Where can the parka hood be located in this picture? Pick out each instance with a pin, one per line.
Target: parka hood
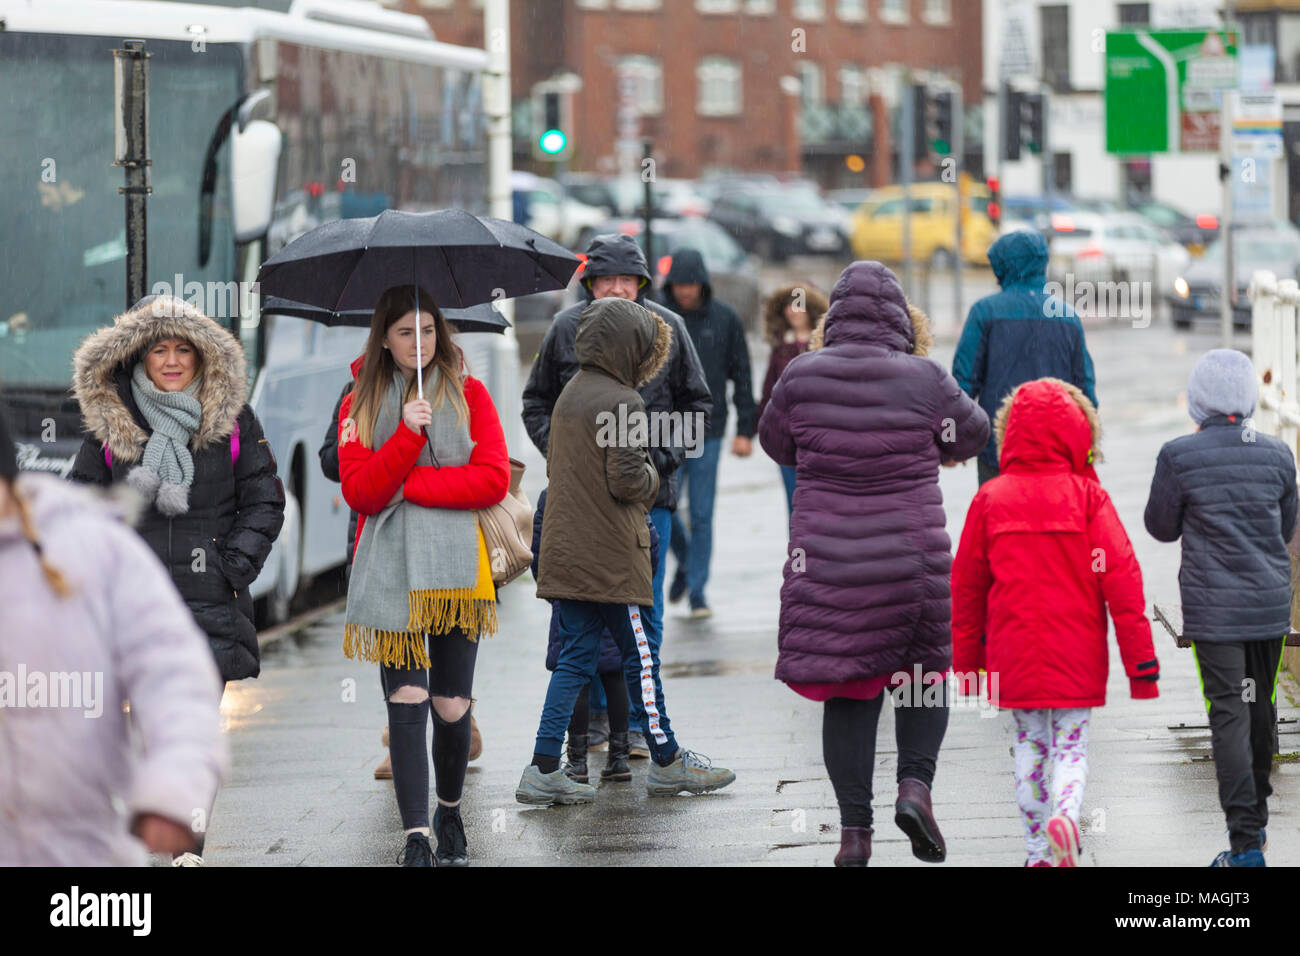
(867, 306)
(1019, 258)
(688, 267)
(1048, 425)
(622, 339)
(613, 254)
(102, 360)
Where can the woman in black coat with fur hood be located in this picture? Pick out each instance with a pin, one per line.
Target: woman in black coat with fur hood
(162, 394)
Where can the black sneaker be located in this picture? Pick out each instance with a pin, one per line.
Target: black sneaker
(417, 851)
(677, 588)
(450, 831)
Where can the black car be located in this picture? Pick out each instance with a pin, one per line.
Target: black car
(780, 221)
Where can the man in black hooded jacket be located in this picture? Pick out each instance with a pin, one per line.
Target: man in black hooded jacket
(616, 266)
(719, 337)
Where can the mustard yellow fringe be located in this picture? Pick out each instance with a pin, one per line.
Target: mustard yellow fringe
(431, 612)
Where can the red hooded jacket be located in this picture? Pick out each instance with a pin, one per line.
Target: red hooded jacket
(371, 477)
(1042, 555)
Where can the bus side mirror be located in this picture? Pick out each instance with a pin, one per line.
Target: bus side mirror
(255, 158)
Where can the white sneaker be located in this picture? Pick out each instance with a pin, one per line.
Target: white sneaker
(188, 859)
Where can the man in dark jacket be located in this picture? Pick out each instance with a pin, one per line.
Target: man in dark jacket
(719, 339)
(594, 559)
(616, 267)
(1231, 495)
(1018, 335)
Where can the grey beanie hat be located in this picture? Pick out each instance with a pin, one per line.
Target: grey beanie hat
(1222, 383)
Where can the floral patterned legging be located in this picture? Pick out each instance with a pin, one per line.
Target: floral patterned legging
(1051, 769)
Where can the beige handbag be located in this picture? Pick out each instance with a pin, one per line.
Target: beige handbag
(508, 531)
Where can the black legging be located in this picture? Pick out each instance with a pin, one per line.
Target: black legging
(849, 748)
(452, 675)
(618, 706)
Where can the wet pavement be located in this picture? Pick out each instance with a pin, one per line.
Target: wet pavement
(305, 737)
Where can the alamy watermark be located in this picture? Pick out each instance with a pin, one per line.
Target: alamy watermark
(216, 300)
(1111, 300)
(958, 690)
(639, 429)
(74, 690)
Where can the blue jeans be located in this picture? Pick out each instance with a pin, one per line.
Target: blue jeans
(694, 549)
(662, 519)
(787, 475)
(581, 626)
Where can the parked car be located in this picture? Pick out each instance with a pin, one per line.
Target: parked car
(1111, 247)
(554, 213)
(1194, 232)
(850, 199)
(878, 225)
(780, 220)
(1029, 212)
(626, 197)
(1194, 293)
(731, 272)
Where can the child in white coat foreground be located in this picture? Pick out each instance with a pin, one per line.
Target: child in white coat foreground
(89, 619)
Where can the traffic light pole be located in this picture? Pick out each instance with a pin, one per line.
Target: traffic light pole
(907, 159)
(1045, 156)
(958, 154)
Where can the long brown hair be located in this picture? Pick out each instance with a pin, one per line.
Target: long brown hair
(377, 370)
(775, 324)
(53, 576)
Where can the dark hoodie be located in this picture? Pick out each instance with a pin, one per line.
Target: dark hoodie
(679, 387)
(1019, 334)
(595, 543)
(719, 338)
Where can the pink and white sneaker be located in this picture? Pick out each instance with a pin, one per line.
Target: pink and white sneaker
(1063, 840)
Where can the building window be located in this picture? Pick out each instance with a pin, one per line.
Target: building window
(719, 80)
(717, 6)
(812, 85)
(894, 11)
(851, 11)
(1054, 31)
(937, 11)
(593, 4)
(760, 8)
(648, 75)
(853, 86)
(637, 4)
(1134, 14)
(810, 9)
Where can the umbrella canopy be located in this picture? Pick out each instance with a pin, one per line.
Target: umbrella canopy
(477, 318)
(461, 259)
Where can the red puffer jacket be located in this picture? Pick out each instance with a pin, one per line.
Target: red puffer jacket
(1041, 557)
(371, 477)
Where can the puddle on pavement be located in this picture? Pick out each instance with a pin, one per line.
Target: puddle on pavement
(679, 669)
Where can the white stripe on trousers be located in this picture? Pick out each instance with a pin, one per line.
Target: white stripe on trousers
(647, 674)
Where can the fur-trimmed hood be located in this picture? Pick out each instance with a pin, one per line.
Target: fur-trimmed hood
(103, 362)
(922, 338)
(624, 340)
(1048, 421)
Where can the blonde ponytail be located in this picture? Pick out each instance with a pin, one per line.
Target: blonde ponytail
(53, 575)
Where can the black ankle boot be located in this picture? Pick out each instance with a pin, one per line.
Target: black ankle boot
(576, 767)
(616, 767)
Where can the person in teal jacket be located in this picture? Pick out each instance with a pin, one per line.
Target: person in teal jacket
(1019, 334)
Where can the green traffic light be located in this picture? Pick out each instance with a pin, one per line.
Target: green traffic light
(941, 147)
(553, 141)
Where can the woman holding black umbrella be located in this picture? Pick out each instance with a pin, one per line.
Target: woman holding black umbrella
(421, 591)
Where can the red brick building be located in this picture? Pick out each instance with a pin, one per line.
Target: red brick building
(715, 78)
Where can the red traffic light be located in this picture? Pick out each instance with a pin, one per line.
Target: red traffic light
(994, 184)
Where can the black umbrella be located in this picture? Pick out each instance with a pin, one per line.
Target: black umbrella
(477, 318)
(460, 258)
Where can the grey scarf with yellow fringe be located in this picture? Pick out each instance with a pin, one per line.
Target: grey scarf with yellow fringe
(415, 568)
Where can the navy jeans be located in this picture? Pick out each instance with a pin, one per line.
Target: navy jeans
(694, 549)
(581, 626)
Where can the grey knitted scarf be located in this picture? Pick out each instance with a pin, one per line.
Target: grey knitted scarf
(415, 568)
(166, 470)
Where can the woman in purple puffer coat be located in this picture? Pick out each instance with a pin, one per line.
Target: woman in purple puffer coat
(867, 420)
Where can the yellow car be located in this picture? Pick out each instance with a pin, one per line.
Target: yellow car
(877, 230)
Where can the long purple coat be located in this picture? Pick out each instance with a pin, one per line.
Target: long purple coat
(866, 425)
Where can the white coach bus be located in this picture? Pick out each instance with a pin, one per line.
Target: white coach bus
(372, 113)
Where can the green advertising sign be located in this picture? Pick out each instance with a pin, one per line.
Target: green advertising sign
(1163, 89)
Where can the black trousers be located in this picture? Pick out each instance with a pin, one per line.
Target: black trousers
(1239, 681)
(849, 748)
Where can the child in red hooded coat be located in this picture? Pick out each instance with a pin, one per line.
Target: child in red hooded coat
(1042, 556)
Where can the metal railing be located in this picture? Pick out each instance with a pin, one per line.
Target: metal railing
(1273, 349)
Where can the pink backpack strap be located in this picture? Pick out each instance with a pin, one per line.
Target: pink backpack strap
(108, 457)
